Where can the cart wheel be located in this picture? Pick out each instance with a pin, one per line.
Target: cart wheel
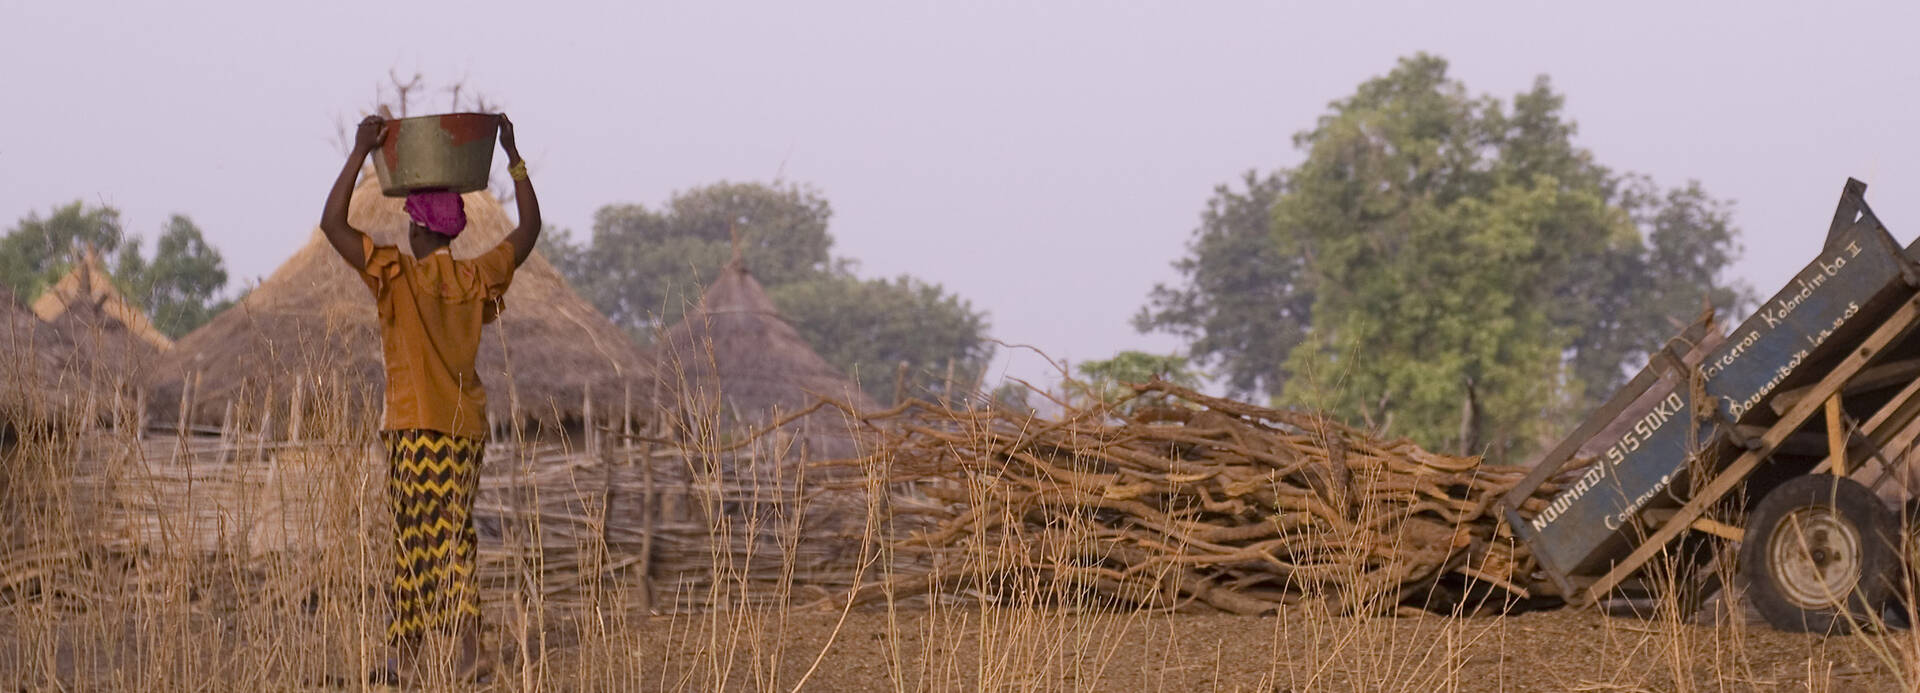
(1820, 552)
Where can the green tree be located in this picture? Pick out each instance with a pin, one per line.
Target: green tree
(180, 288)
(1013, 397)
(1469, 273)
(36, 251)
(1243, 305)
(644, 268)
(566, 253)
(1107, 381)
(1657, 285)
(868, 327)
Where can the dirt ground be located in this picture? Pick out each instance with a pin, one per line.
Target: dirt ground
(1564, 650)
(968, 649)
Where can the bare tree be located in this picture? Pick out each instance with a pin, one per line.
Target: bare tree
(402, 91)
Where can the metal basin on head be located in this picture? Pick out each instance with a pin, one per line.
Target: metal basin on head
(453, 152)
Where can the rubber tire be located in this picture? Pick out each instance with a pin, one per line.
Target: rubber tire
(1880, 562)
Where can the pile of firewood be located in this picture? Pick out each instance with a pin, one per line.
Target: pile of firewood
(1175, 499)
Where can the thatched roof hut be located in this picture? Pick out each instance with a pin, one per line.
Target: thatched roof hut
(729, 369)
(44, 380)
(734, 360)
(112, 352)
(111, 340)
(309, 334)
(86, 296)
(34, 352)
(112, 343)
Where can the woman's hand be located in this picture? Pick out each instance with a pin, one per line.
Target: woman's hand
(506, 138)
(345, 239)
(371, 133)
(528, 232)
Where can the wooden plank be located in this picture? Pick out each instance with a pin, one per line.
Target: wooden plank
(1882, 376)
(1903, 441)
(186, 402)
(1886, 470)
(1836, 436)
(1719, 529)
(298, 416)
(1900, 434)
(1882, 430)
(1895, 327)
(650, 523)
(586, 420)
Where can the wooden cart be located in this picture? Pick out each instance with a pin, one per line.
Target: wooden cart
(1777, 448)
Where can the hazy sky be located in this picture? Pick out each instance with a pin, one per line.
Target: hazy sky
(1044, 160)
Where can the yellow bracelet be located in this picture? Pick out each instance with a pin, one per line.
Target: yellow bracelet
(518, 170)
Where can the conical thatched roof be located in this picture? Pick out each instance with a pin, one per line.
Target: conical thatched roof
(44, 379)
(312, 324)
(105, 349)
(734, 357)
(88, 289)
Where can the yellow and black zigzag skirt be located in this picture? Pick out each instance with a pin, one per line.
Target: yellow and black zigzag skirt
(431, 481)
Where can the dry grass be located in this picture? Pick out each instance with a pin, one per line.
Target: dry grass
(250, 562)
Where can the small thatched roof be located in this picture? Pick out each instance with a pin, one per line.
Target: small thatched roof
(88, 289)
(313, 325)
(105, 350)
(734, 358)
(44, 379)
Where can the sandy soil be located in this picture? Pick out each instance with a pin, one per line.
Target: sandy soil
(1548, 651)
(967, 649)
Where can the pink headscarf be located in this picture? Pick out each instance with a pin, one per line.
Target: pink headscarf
(441, 211)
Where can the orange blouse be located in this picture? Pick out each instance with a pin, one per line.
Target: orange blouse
(431, 310)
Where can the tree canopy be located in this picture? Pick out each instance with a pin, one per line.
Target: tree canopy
(1243, 307)
(1445, 266)
(1109, 381)
(646, 267)
(37, 251)
(179, 288)
(868, 327)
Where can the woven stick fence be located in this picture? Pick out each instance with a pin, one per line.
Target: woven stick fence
(658, 527)
(691, 526)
